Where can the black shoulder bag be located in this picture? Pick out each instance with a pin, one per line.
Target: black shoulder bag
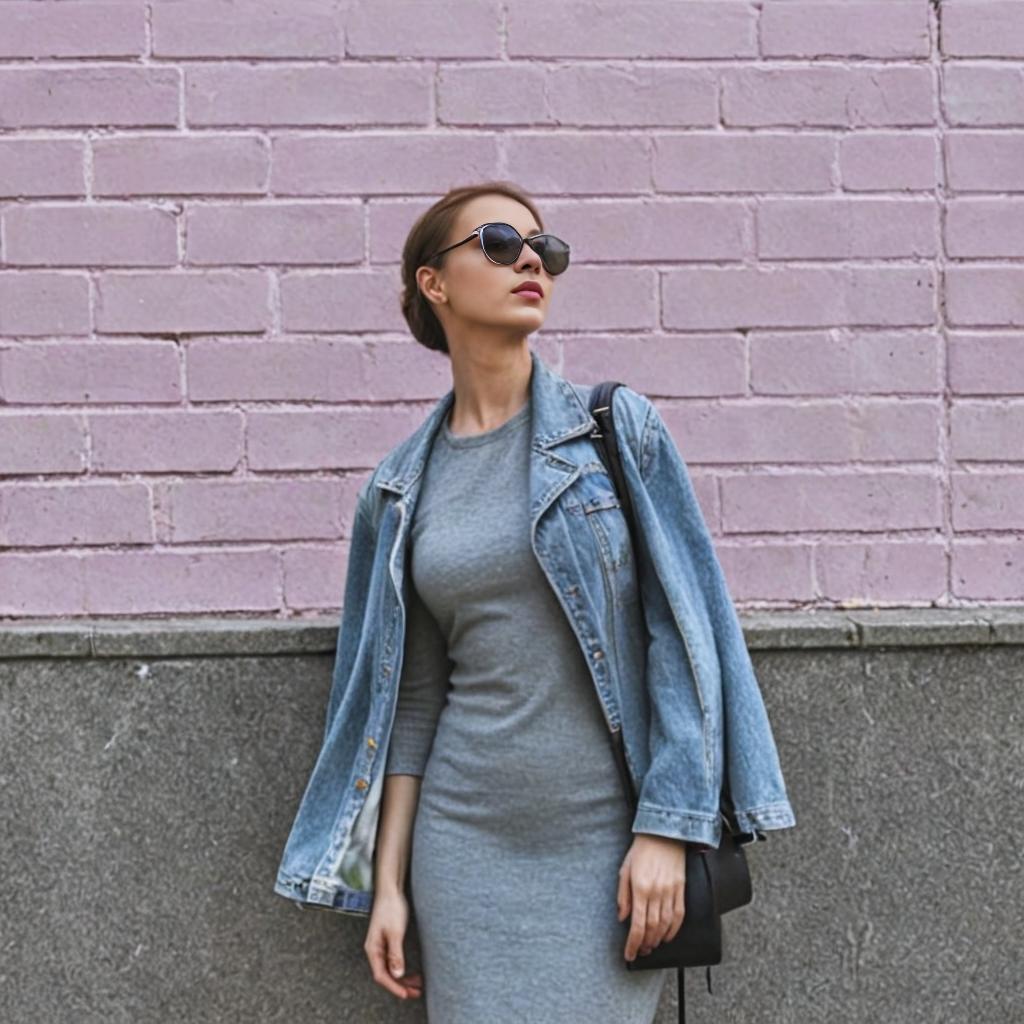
(717, 879)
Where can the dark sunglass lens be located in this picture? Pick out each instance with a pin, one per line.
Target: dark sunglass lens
(554, 253)
(501, 242)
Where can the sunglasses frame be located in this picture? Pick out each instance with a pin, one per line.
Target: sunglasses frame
(522, 241)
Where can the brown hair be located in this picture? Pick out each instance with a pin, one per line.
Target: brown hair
(427, 235)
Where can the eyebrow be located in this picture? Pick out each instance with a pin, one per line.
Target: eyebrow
(533, 231)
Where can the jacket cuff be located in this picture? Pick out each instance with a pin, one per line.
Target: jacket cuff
(766, 817)
(702, 829)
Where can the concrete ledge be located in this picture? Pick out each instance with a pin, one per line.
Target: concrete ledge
(151, 770)
(775, 630)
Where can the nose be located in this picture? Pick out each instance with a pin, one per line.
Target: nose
(528, 258)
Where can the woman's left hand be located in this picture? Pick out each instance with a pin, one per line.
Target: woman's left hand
(652, 880)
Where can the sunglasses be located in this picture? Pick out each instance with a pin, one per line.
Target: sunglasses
(502, 244)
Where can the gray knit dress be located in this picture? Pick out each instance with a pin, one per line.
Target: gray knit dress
(522, 824)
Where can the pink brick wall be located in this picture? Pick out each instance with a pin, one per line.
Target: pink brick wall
(799, 226)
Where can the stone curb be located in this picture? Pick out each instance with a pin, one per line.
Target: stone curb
(768, 630)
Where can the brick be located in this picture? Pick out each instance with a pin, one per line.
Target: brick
(606, 299)
(180, 165)
(90, 234)
(985, 161)
(988, 569)
(182, 301)
(167, 441)
(390, 220)
(39, 302)
(878, 501)
(747, 297)
(107, 97)
(51, 515)
(888, 161)
(42, 584)
(983, 228)
(662, 230)
(314, 576)
(50, 29)
(236, 510)
(344, 96)
(842, 97)
(391, 28)
(314, 370)
(891, 571)
(92, 371)
(886, 31)
(355, 163)
(636, 94)
(493, 94)
(879, 430)
(717, 28)
(767, 572)
(986, 363)
(859, 362)
(987, 431)
(594, 162)
(346, 438)
(37, 442)
(984, 29)
(710, 365)
(277, 233)
(735, 162)
(354, 300)
(254, 29)
(987, 500)
(41, 167)
(983, 95)
(846, 228)
(985, 296)
(197, 581)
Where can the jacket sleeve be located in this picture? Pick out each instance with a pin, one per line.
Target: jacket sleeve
(352, 633)
(694, 719)
(422, 690)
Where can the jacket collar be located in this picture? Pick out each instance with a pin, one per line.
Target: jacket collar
(558, 414)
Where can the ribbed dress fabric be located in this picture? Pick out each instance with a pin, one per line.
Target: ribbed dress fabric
(522, 824)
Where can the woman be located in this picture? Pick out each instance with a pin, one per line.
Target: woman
(515, 900)
(491, 570)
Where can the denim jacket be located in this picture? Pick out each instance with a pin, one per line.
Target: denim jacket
(669, 664)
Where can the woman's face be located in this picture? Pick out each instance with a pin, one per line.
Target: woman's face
(470, 293)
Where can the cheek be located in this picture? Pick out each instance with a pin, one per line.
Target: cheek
(481, 292)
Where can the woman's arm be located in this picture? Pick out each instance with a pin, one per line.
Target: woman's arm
(422, 689)
(394, 838)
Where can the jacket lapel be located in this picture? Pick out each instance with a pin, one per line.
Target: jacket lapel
(557, 415)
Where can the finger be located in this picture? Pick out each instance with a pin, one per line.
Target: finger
(678, 911)
(396, 960)
(653, 927)
(378, 957)
(667, 921)
(413, 984)
(622, 895)
(638, 925)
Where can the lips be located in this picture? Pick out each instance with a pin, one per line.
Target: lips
(530, 286)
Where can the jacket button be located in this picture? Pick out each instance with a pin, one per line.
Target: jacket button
(361, 783)
(598, 654)
(371, 742)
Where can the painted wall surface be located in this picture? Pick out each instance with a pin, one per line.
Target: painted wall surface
(798, 226)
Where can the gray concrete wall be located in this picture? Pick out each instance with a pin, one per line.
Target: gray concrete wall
(150, 771)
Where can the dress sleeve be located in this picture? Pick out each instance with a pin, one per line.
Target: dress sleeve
(422, 690)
